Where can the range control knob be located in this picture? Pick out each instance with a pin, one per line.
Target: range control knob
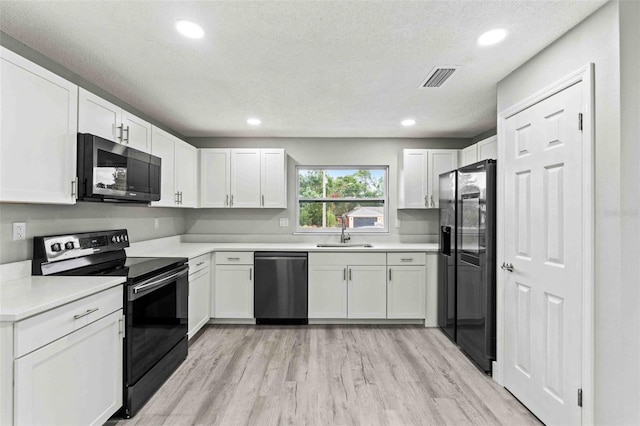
(118, 238)
(69, 245)
(125, 238)
(114, 239)
(56, 247)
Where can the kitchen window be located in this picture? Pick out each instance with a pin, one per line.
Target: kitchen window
(327, 195)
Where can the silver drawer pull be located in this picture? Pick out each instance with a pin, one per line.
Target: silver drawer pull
(233, 258)
(406, 259)
(89, 311)
(200, 263)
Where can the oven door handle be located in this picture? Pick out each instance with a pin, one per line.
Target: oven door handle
(161, 281)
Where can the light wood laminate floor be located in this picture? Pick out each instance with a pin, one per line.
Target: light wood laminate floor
(328, 375)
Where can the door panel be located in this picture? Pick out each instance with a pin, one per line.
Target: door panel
(543, 241)
(245, 178)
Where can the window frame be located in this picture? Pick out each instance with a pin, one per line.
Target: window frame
(337, 231)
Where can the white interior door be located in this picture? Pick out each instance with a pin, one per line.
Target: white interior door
(543, 241)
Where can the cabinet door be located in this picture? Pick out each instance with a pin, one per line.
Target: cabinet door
(234, 291)
(199, 289)
(38, 134)
(367, 295)
(215, 174)
(76, 380)
(469, 155)
(99, 117)
(245, 178)
(414, 179)
(327, 291)
(439, 161)
(405, 292)
(273, 180)
(186, 170)
(136, 132)
(163, 146)
(488, 148)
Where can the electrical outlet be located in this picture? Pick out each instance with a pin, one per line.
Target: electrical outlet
(284, 221)
(156, 223)
(398, 223)
(19, 231)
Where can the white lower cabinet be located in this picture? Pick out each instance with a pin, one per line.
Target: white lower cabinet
(234, 285)
(75, 379)
(347, 285)
(199, 292)
(367, 295)
(406, 285)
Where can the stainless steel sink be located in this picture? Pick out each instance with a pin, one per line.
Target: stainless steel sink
(344, 245)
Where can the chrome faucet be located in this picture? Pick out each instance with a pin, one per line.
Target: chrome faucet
(344, 238)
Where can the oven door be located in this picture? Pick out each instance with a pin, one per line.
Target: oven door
(156, 315)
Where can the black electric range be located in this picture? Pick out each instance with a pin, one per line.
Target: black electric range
(155, 303)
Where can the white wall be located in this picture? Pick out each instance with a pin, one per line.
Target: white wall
(83, 217)
(259, 224)
(617, 302)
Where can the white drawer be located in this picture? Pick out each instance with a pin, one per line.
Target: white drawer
(198, 263)
(398, 259)
(37, 331)
(234, 258)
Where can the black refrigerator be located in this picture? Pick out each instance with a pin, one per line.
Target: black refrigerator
(469, 249)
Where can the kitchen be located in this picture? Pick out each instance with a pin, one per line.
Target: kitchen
(605, 38)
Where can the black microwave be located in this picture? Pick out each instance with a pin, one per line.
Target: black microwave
(108, 171)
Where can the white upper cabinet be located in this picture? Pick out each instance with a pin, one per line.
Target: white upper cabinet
(469, 155)
(243, 178)
(102, 118)
(273, 182)
(178, 172)
(215, 177)
(38, 112)
(488, 148)
(419, 176)
(440, 161)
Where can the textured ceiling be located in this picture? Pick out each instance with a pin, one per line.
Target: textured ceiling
(305, 68)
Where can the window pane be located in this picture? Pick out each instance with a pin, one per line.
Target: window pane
(329, 215)
(341, 183)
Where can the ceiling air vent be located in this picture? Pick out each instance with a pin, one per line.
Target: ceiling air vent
(438, 76)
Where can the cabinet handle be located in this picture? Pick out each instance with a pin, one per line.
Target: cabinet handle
(180, 196)
(250, 273)
(125, 130)
(350, 275)
(389, 274)
(406, 259)
(231, 204)
(89, 311)
(74, 187)
(432, 203)
(344, 274)
(262, 200)
(425, 201)
(233, 258)
(119, 137)
(176, 198)
(199, 263)
(226, 200)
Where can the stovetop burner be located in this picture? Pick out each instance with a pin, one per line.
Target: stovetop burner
(95, 254)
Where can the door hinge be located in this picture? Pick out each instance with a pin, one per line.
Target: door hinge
(580, 121)
(579, 397)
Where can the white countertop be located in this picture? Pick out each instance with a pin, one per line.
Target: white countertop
(191, 250)
(24, 297)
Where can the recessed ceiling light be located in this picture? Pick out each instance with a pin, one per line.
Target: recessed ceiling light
(492, 37)
(408, 122)
(189, 29)
(254, 121)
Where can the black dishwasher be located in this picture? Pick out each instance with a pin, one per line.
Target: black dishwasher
(281, 287)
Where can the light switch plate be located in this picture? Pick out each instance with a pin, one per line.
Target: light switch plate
(19, 231)
(284, 221)
(398, 223)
